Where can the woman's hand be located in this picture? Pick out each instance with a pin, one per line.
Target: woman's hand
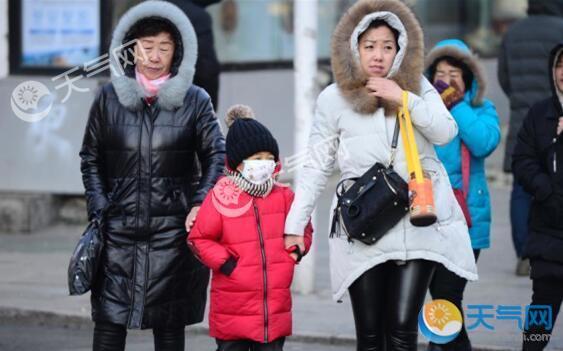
(386, 89)
(190, 219)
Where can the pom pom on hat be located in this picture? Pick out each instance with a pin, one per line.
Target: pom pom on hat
(247, 136)
(238, 112)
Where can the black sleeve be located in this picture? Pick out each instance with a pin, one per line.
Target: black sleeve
(210, 149)
(526, 161)
(502, 69)
(92, 163)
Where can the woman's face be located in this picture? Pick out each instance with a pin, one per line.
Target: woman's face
(154, 55)
(377, 49)
(559, 73)
(449, 74)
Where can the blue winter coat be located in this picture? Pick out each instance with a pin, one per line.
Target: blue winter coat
(479, 129)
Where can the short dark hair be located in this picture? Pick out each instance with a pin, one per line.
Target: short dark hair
(380, 23)
(466, 73)
(151, 26)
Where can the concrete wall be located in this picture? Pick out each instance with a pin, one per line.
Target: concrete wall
(3, 38)
(43, 156)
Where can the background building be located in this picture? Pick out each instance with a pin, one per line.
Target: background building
(54, 41)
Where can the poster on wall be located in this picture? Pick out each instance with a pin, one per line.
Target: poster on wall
(60, 33)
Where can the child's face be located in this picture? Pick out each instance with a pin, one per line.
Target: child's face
(262, 155)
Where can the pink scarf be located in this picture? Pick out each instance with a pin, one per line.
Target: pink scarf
(151, 87)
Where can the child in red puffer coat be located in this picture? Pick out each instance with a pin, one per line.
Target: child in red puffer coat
(239, 234)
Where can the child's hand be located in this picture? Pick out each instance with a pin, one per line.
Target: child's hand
(190, 219)
(294, 256)
(292, 240)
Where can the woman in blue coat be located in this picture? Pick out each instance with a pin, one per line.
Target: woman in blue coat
(459, 78)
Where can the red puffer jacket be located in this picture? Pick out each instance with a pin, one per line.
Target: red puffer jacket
(233, 229)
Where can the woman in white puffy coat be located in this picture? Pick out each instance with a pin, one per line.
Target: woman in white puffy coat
(377, 52)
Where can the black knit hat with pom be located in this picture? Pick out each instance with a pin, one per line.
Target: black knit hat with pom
(247, 136)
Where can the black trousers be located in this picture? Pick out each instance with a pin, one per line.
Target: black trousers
(545, 292)
(111, 337)
(386, 301)
(449, 286)
(247, 345)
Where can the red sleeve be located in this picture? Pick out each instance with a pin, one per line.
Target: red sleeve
(308, 234)
(205, 234)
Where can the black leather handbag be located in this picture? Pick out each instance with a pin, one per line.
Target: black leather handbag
(85, 260)
(374, 204)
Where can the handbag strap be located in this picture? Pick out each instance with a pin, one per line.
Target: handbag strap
(409, 141)
(394, 142)
(465, 168)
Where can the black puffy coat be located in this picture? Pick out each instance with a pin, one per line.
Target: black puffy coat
(522, 72)
(537, 164)
(140, 156)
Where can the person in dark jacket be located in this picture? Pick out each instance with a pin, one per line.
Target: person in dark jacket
(523, 77)
(143, 132)
(207, 66)
(537, 163)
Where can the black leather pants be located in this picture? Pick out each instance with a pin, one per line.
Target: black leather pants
(386, 301)
(111, 337)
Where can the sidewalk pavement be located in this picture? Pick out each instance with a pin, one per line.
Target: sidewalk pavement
(33, 286)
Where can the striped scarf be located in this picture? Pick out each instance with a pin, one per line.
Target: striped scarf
(252, 189)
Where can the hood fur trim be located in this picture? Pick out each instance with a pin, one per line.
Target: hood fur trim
(172, 93)
(469, 59)
(347, 72)
(558, 94)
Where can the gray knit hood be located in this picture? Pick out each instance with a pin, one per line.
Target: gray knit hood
(172, 92)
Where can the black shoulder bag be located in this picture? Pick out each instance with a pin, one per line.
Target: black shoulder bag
(374, 204)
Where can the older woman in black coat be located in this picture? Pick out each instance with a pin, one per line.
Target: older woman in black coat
(144, 130)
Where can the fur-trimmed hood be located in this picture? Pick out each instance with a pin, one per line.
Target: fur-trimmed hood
(459, 50)
(409, 61)
(172, 93)
(557, 94)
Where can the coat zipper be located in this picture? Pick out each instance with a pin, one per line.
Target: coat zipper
(151, 126)
(263, 252)
(136, 223)
(554, 141)
(147, 263)
(139, 176)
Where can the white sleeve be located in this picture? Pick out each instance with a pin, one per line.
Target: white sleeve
(430, 116)
(317, 168)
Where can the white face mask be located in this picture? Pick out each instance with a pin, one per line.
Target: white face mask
(258, 171)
